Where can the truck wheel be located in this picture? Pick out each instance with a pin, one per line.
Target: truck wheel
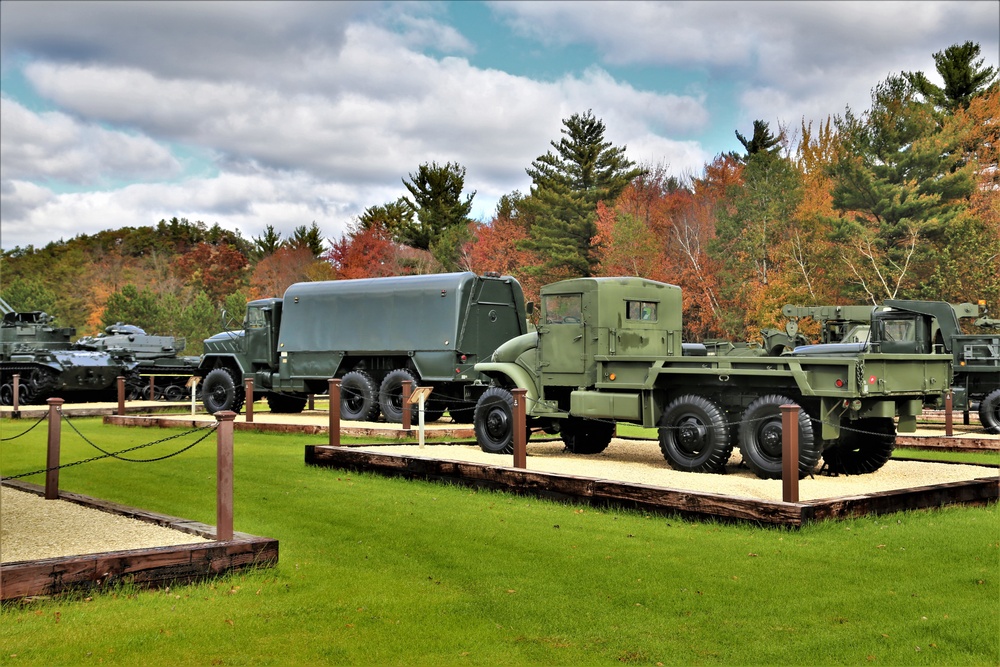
(694, 435)
(219, 393)
(760, 438)
(285, 404)
(390, 394)
(989, 412)
(358, 401)
(586, 436)
(494, 421)
(863, 448)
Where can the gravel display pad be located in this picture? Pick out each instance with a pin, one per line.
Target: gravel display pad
(640, 462)
(32, 528)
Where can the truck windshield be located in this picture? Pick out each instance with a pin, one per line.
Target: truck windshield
(256, 318)
(563, 308)
(899, 330)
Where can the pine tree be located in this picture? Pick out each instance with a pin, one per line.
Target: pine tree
(964, 77)
(437, 202)
(566, 187)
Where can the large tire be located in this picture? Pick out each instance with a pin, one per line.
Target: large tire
(358, 397)
(285, 404)
(390, 394)
(219, 392)
(494, 421)
(989, 412)
(761, 438)
(864, 447)
(694, 435)
(586, 436)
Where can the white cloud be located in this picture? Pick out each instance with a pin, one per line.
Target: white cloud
(55, 146)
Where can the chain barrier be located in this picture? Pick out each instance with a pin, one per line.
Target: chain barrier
(116, 455)
(28, 430)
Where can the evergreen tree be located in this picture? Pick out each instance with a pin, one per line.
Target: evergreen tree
(902, 180)
(267, 243)
(311, 238)
(442, 215)
(964, 77)
(393, 217)
(566, 187)
(762, 140)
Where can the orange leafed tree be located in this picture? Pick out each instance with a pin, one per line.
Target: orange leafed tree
(495, 247)
(275, 273)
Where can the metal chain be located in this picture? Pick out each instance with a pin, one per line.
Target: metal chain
(105, 454)
(15, 437)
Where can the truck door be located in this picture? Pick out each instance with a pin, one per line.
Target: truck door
(561, 339)
(260, 345)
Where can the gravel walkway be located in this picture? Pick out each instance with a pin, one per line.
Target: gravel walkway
(32, 528)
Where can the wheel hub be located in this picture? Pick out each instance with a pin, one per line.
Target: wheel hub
(497, 423)
(691, 436)
(770, 439)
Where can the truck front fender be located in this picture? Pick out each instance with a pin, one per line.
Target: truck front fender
(514, 375)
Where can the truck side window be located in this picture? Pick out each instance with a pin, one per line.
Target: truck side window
(563, 308)
(256, 319)
(643, 311)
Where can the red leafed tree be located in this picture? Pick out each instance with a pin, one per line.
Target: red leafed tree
(218, 270)
(364, 253)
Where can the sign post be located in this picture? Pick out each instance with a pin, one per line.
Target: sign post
(419, 396)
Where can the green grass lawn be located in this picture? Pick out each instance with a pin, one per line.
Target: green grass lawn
(379, 571)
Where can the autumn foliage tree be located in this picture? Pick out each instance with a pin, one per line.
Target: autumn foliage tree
(217, 270)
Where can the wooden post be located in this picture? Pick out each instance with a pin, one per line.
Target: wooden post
(121, 395)
(249, 399)
(790, 453)
(407, 417)
(520, 445)
(334, 413)
(312, 402)
(152, 388)
(16, 399)
(52, 460)
(224, 476)
(948, 426)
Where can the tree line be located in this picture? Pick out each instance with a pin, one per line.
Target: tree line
(899, 201)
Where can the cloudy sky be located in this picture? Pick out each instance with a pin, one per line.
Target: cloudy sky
(253, 113)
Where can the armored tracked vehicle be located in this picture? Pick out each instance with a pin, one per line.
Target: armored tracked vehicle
(49, 364)
(157, 356)
(609, 350)
(373, 334)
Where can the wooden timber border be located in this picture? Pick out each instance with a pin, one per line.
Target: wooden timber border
(151, 567)
(605, 492)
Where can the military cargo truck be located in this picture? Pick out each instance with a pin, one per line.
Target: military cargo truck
(158, 358)
(921, 327)
(373, 334)
(609, 350)
(49, 364)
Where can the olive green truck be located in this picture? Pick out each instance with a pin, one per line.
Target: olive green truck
(373, 334)
(609, 350)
